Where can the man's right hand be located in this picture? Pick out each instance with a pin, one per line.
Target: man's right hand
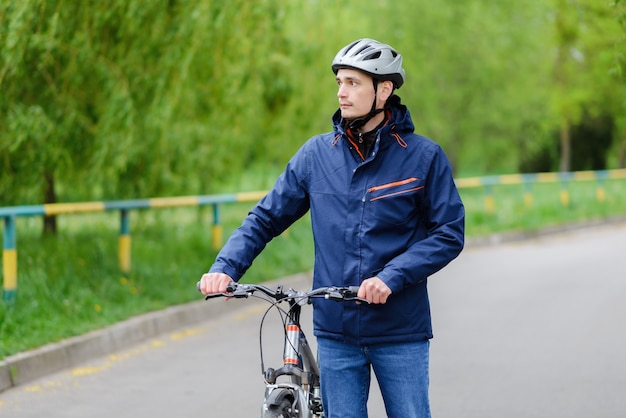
(214, 283)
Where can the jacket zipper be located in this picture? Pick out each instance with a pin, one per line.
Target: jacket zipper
(393, 184)
(396, 193)
(388, 185)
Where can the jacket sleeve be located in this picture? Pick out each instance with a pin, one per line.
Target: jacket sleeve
(285, 203)
(444, 217)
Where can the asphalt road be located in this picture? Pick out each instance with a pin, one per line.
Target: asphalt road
(527, 329)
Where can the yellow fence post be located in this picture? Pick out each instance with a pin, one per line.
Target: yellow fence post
(217, 228)
(600, 192)
(528, 195)
(9, 260)
(124, 242)
(564, 195)
(490, 203)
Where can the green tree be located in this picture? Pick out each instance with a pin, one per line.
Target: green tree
(476, 78)
(585, 35)
(124, 99)
(619, 72)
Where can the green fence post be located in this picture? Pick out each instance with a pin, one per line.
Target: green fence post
(217, 227)
(9, 260)
(124, 241)
(565, 197)
(490, 204)
(600, 191)
(528, 194)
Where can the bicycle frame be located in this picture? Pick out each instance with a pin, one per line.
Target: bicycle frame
(298, 396)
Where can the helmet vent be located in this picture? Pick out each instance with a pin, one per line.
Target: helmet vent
(373, 56)
(360, 51)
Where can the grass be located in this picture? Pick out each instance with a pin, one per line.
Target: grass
(512, 211)
(69, 284)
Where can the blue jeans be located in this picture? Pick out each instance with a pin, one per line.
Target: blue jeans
(400, 368)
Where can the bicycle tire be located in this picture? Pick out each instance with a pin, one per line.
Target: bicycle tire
(279, 411)
(281, 406)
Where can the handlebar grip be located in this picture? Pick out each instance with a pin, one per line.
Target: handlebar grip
(232, 287)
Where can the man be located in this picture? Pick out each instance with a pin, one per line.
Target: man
(385, 216)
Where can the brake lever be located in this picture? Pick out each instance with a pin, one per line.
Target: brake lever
(357, 299)
(351, 294)
(217, 295)
(346, 294)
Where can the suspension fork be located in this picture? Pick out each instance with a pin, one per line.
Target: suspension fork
(291, 356)
(298, 360)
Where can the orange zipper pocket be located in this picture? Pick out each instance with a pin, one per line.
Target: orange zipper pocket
(396, 193)
(393, 184)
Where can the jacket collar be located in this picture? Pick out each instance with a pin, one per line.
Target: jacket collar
(400, 120)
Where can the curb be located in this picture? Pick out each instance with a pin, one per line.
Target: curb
(5, 376)
(30, 365)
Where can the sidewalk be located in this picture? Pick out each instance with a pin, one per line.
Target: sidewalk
(30, 365)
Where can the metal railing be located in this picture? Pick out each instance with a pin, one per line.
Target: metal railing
(527, 180)
(10, 213)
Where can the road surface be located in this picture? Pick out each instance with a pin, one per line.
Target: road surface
(525, 329)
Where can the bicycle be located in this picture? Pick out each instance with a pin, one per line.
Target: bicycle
(299, 396)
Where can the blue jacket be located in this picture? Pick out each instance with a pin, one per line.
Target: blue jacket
(396, 215)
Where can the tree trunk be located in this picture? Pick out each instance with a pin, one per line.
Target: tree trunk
(49, 222)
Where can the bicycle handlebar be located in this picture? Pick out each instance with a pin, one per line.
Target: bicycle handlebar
(336, 293)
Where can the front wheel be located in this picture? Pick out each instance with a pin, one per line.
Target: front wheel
(283, 410)
(279, 404)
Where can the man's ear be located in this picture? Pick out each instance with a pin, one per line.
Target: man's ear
(385, 90)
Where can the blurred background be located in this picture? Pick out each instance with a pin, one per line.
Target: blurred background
(125, 99)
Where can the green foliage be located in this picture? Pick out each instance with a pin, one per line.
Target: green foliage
(120, 99)
(586, 36)
(619, 9)
(124, 99)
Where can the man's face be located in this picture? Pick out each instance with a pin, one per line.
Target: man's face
(356, 93)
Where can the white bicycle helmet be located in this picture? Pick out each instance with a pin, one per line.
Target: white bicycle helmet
(378, 60)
